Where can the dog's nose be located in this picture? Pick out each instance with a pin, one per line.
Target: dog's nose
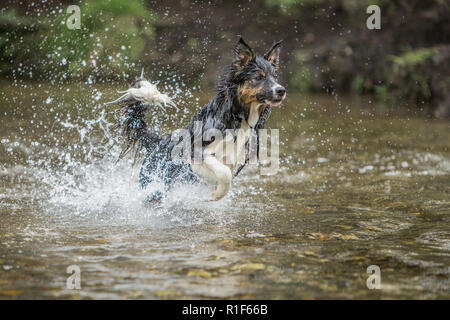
(280, 91)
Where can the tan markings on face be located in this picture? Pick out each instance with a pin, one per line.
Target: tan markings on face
(248, 94)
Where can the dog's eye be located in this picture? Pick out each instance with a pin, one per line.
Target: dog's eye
(260, 76)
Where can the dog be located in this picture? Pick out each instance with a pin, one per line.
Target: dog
(246, 93)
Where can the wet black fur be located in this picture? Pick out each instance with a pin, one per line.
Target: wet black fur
(225, 111)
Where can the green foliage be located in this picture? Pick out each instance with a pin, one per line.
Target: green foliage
(11, 19)
(409, 73)
(357, 86)
(411, 58)
(326, 44)
(444, 85)
(113, 37)
(301, 80)
(284, 3)
(12, 28)
(353, 5)
(289, 6)
(381, 93)
(192, 43)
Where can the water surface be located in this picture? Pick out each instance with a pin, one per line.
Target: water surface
(358, 185)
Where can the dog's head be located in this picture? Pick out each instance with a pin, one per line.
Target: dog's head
(256, 75)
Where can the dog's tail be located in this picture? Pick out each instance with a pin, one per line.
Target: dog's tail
(134, 130)
(133, 104)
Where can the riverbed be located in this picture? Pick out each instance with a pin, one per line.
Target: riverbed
(359, 184)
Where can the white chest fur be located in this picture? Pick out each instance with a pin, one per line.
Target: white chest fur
(231, 149)
(227, 153)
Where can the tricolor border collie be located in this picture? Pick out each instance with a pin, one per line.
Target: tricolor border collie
(246, 92)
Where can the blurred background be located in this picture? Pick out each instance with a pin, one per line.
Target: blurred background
(364, 173)
(327, 47)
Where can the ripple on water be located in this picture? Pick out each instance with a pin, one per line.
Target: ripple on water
(343, 199)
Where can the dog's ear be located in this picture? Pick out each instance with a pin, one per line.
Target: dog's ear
(244, 54)
(273, 55)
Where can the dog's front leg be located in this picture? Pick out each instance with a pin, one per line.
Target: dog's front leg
(223, 176)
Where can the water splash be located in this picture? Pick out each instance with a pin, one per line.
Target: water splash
(66, 159)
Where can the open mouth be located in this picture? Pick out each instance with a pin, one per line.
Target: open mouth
(274, 102)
